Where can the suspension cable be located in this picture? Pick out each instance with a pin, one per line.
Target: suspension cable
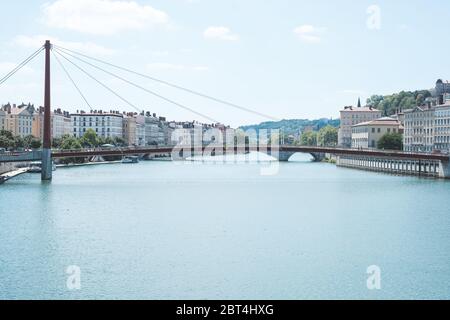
(21, 65)
(71, 79)
(174, 86)
(99, 82)
(140, 87)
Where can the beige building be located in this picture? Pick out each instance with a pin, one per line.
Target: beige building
(19, 119)
(352, 116)
(367, 134)
(61, 123)
(134, 129)
(2, 120)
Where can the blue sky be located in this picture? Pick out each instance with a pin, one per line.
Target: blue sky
(285, 58)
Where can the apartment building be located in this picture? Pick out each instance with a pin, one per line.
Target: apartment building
(442, 128)
(19, 119)
(154, 130)
(419, 129)
(187, 133)
(134, 129)
(2, 120)
(352, 116)
(61, 123)
(367, 134)
(105, 124)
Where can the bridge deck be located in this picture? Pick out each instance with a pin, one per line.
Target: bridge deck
(265, 149)
(37, 155)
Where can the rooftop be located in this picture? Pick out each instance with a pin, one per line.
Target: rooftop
(385, 121)
(447, 105)
(362, 109)
(96, 114)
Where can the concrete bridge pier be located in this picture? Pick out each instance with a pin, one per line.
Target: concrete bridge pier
(282, 156)
(318, 157)
(47, 165)
(444, 169)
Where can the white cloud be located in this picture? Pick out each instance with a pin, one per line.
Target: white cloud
(84, 47)
(160, 53)
(101, 17)
(309, 33)
(220, 33)
(175, 67)
(6, 67)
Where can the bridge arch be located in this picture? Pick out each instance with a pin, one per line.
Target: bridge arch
(284, 156)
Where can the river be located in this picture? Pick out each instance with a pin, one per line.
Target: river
(164, 230)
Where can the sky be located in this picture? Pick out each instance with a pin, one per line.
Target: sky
(289, 59)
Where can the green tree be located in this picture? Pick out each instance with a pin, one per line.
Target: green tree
(328, 136)
(35, 143)
(118, 141)
(390, 104)
(309, 139)
(5, 142)
(70, 143)
(18, 142)
(90, 139)
(7, 134)
(391, 141)
(420, 100)
(27, 141)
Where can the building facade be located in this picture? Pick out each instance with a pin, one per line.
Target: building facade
(154, 130)
(367, 134)
(2, 120)
(19, 119)
(442, 128)
(350, 117)
(61, 124)
(419, 129)
(134, 129)
(144, 129)
(106, 125)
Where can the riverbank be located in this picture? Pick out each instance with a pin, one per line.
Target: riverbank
(72, 165)
(12, 174)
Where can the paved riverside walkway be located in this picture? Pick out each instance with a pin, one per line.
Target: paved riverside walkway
(12, 174)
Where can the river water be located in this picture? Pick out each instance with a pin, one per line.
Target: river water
(163, 230)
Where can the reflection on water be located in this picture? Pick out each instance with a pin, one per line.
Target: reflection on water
(197, 230)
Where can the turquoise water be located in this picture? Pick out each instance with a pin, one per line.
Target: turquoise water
(162, 230)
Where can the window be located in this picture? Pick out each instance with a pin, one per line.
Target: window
(379, 130)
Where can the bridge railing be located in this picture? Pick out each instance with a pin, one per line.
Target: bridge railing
(117, 149)
(21, 156)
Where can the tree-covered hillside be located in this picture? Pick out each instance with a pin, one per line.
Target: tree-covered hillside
(294, 126)
(389, 104)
